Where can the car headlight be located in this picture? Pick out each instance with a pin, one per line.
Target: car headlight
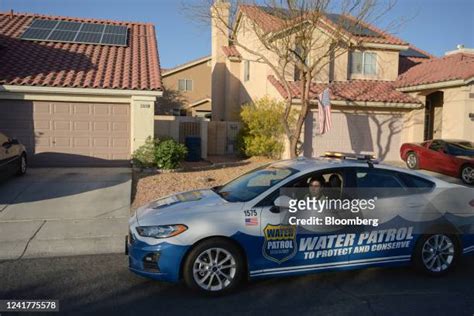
(162, 231)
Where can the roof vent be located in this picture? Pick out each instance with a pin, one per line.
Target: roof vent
(461, 49)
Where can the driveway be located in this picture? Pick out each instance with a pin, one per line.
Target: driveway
(64, 211)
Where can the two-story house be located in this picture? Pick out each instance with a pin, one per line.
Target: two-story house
(187, 89)
(374, 107)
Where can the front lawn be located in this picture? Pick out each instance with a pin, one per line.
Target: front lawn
(148, 187)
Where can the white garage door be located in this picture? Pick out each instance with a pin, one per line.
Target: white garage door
(376, 132)
(69, 134)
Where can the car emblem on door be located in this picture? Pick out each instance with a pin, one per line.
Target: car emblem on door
(280, 242)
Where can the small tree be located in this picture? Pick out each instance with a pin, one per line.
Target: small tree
(144, 156)
(262, 131)
(294, 37)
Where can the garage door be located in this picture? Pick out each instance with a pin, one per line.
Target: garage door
(376, 132)
(69, 134)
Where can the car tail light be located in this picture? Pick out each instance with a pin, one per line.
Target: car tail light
(471, 203)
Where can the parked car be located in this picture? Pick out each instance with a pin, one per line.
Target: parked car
(13, 157)
(454, 158)
(216, 238)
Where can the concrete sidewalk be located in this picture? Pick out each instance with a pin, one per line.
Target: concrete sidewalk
(64, 211)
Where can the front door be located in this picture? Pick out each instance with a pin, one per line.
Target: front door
(434, 115)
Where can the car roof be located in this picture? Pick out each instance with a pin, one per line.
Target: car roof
(303, 164)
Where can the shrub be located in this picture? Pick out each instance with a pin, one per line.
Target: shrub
(169, 154)
(262, 132)
(144, 156)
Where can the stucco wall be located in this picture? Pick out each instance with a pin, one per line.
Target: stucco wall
(200, 74)
(456, 108)
(455, 121)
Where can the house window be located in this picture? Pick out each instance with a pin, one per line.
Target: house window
(185, 85)
(363, 63)
(247, 70)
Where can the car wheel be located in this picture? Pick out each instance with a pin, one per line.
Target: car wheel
(412, 160)
(467, 174)
(22, 165)
(214, 266)
(436, 254)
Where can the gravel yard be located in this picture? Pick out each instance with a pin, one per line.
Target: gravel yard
(148, 187)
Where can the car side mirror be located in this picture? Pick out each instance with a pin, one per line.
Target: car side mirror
(14, 141)
(281, 202)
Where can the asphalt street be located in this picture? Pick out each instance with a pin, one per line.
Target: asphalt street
(102, 284)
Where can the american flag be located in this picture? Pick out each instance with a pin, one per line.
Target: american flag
(251, 221)
(324, 111)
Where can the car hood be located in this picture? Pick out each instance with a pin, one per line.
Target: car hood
(178, 205)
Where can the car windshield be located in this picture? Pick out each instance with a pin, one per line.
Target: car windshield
(253, 183)
(461, 148)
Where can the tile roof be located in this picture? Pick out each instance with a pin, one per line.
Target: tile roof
(451, 67)
(271, 20)
(186, 65)
(72, 65)
(231, 51)
(353, 91)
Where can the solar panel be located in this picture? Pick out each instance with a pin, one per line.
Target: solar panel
(63, 36)
(413, 53)
(115, 29)
(86, 37)
(35, 34)
(351, 26)
(68, 26)
(43, 23)
(93, 28)
(76, 32)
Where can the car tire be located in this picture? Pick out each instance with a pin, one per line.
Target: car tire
(214, 267)
(412, 161)
(466, 174)
(436, 254)
(22, 165)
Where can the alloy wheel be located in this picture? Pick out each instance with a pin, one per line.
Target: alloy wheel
(214, 269)
(23, 164)
(468, 174)
(438, 253)
(411, 161)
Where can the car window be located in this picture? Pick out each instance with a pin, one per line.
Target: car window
(381, 183)
(437, 145)
(3, 139)
(374, 179)
(252, 184)
(332, 182)
(460, 148)
(421, 185)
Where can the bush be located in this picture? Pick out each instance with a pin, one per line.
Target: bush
(144, 156)
(262, 132)
(169, 154)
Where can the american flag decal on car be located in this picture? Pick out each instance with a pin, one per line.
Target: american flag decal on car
(251, 221)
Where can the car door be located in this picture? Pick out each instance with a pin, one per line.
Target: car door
(434, 157)
(289, 249)
(391, 238)
(451, 163)
(5, 155)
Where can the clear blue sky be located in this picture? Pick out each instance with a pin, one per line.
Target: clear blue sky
(433, 25)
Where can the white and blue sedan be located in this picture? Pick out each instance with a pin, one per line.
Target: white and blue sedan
(216, 238)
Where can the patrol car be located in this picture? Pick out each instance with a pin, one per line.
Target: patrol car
(214, 239)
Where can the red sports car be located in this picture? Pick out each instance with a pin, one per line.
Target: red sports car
(450, 157)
